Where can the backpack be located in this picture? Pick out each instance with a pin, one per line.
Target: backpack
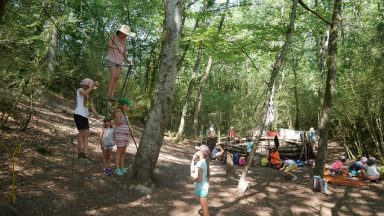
(264, 162)
(320, 184)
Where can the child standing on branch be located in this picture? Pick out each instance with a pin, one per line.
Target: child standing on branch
(117, 53)
(200, 173)
(122, 132)
(83, 102)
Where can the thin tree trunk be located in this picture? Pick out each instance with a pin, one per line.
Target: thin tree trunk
(297, 108)
(153, 134)
(202, 86)
(200, 97)
(191, 86)
(329, 90)
(52, 50)
(243, 184)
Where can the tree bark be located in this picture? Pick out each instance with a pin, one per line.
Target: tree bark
(200, 97)
(191, 85)
(243, 184)
(52, 50)
(329, 90)
(153, 134)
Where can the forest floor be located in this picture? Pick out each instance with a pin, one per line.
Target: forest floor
(49, 181)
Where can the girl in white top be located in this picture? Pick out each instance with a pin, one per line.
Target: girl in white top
(116, 54)
(370, 173)
(83, 102)
(106, 144)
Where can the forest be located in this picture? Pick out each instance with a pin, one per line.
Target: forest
(231, 63)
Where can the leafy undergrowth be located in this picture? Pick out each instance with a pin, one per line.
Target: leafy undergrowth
(50, 181)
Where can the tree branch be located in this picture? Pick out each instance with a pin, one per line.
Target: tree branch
(314, 12)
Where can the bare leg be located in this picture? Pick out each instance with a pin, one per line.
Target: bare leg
(123, 156)
(105, 158)
(85, 141)
(108, 158)
(204, 205)
(118, 157)
(80, 142)
(294, 177)
(115, 75)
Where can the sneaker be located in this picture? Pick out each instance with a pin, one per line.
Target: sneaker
(119, 172)
(107, 172)
(124, 169)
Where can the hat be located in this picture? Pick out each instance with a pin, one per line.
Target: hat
(87, 82)
(364, 159)
(124, 101)
(126, 30)
(204, 149)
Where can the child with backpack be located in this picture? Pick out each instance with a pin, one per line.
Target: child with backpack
(200, 174)
(106, 144)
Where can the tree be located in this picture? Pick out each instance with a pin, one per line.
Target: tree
(329, 90)
(152, 138)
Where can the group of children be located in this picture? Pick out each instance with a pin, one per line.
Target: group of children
(114, 132)
(364, 167)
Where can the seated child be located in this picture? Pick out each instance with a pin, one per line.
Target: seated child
(218, 152)
(338, 166)
(288, 167)
(371, 173)
(274, 158)
(357, 166)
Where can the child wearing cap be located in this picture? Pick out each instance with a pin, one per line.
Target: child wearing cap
(337, 167)
(106, 144)
(122, 132)
(200, 173)
(117, 52)
(81, 114)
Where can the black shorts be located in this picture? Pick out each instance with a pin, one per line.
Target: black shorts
(81, 122)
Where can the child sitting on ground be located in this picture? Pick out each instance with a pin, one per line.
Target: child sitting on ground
(371, 173)
(274, 158)
(106, 144)
(356, 167)
(337, 167)
(218, 152)
(288, 167)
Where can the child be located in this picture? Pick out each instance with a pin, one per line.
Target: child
(371, 173)
(116, 54)
(288, 167)
(106, 144)
(338, 166)
(274, 158)
(122, 132)
(356, 167)
(83, 102)
(200, 173)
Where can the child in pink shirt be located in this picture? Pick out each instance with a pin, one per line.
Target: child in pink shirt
(338, 166)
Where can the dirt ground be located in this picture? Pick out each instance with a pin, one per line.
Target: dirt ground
(50, 181)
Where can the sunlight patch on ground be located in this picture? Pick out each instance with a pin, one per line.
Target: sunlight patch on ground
(183, 209)
(168, 157)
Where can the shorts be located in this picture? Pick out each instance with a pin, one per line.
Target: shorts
(108, 146)
(81, 122)
(354, 172)
(112, 64)
(290, 168)
(201, 192)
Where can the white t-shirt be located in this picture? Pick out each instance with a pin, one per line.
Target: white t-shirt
(80, 108)
(372, 171)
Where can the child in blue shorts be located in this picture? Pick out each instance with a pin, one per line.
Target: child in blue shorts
(200, 173)
(106, 144)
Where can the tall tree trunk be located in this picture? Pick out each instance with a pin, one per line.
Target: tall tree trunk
(191, 85)
(323, 44)
(153, 134)
(297, 108)
(3, 4)
(329, 90)
(200, 97)
(243, 184)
